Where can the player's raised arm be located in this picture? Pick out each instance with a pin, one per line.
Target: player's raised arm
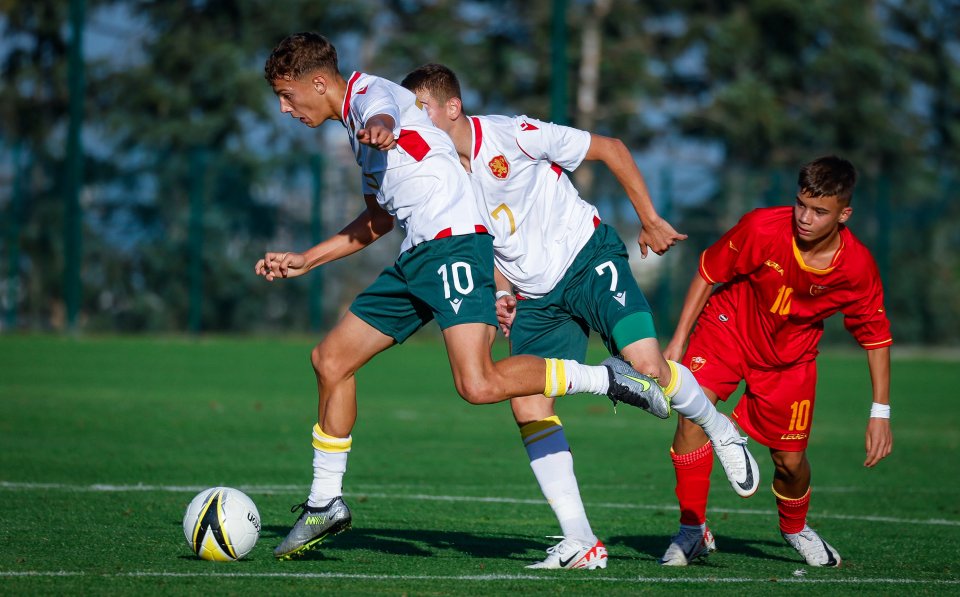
(370, 225)
(696, 298)
(657, 234)
(879, 438)
(378, 132)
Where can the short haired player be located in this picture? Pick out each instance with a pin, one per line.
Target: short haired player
(571, 274)
(779, 273)
(409, 173)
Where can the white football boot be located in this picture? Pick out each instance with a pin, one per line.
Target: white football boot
(570, 553)
(737, 461)
(690, 542)
(814, 550)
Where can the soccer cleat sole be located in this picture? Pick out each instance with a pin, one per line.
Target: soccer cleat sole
(309, 545)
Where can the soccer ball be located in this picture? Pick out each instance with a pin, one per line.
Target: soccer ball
(221, 524)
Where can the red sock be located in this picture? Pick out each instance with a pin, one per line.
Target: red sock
(793, 512)
(693, 483)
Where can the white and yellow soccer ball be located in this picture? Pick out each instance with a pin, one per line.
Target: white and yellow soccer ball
(221, 524)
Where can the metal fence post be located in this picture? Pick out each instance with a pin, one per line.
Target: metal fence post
(198, 173)
(72, 230)
(13, 238)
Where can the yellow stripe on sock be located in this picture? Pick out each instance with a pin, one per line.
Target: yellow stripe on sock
(674, 385)
(328, 443)
(538, 426)
(556, 382)
(790, 499)
(532, 440)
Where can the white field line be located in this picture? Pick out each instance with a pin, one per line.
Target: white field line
(297, 489)
(566, 578)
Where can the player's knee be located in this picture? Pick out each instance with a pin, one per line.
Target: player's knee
(475, 390)
(326, 365)
(789, 465)
(652, 365)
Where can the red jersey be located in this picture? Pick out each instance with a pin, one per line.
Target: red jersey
(774, 304)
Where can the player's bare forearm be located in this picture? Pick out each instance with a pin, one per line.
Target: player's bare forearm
(878, 360)
(657, 234)
(693, 304)
(370, 225)
(506, 305)
(879, 436)
(501, 281)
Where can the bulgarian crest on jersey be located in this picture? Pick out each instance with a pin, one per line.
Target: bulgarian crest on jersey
(499, 167)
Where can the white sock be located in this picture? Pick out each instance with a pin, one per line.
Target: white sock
(552, 465)
(687, 398)
(570, 377)
(329, 465)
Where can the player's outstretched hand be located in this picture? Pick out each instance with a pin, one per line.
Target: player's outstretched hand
(506, 311)
(673, 351)
(281, 265)
(879, 441)
(658, 236)
(377, 136)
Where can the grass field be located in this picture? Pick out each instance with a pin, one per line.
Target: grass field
(103, 442)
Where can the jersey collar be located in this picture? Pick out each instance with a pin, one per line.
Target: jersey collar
(813, 270)
(345, 109)
(477, 135)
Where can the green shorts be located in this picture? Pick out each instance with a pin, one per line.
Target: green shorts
(598, 293)
(448, 279)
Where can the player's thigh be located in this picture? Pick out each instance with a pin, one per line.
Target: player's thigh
(777, 406)
(468, 348)
(348, 346)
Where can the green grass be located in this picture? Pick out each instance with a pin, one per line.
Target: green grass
(103, 442)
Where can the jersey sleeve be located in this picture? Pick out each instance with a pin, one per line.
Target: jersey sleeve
(739, 251)
(562, 145)
(374, 99)
(865, 316)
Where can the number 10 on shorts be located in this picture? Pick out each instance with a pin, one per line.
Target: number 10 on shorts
(460, 274)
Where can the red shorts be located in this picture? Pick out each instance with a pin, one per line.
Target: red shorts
(776, 409)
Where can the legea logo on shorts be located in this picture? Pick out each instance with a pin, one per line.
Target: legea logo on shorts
(723, 317)
(697, 363)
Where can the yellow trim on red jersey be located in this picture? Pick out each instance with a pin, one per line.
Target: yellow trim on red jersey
(703, 269)
(813, 270)
(880, 344)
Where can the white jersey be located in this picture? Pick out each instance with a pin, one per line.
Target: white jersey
(538, 219)
(421, 181)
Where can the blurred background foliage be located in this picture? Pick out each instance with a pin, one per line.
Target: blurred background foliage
(187, 172)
